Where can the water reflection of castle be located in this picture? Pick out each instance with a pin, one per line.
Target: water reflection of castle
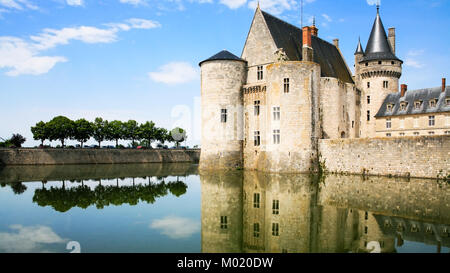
(257, 212)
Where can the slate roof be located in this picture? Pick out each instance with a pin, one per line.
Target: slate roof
(289, 37)
(223, 55)
(359, 49)
(378, 47)
(423, 95)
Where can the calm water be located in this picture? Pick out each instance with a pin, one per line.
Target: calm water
(173, 208)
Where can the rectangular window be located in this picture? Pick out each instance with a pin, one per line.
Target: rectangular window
(276, 207)
(368, 115)
(223, 222)
(368, 99)
(431, 121)
(276, 136)
(416, 133)
(257, 138)
(447, 132)
(447, 102)
(388, 134)
(257, 107)
(431, 133)
(256, 230)
(366, 230)
(368, 84)
(366, 216)
(353, 124)
(402, 134)
(275, 229)
(388, 123)
(276, 113)
(260, 73)
(385, 84)
(286, 85)
(223, 117)
(256, 200)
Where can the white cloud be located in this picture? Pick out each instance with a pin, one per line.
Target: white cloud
(28, 239)
(411, 59)
(24, 57)
(176, 227)
(416, 52)
(75, 2)
(134, 2)
(413, 63)
(275, 6)
(175, 73)
(18, 4)
(233, 4)
(327, 17)
(373, 2)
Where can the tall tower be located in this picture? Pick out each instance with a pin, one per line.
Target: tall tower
(222, 78)
(377, 71)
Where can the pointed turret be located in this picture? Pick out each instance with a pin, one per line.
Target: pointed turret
(359, 49)
(378, 47)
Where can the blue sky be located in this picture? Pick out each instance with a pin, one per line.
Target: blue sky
(138, 59)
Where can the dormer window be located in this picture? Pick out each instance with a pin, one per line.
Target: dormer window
(447, 102)
(433, 103)
(417, 105)
(403, 106)
(390, 107)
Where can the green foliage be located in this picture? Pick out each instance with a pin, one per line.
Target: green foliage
(99, 127)
(82, 131)
(60, 128)
(115, 130)
(131, 131)
(17, 140)
(147, 131)
(40, 132)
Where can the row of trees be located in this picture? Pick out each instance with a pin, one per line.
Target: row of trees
(62, 128)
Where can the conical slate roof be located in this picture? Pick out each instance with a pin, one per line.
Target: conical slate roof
(378, 47)
(359, 49)
(223, 55)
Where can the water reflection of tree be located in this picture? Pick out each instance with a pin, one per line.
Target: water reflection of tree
(63, 199)
(18, 188)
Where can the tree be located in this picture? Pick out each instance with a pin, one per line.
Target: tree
(60, 128)
(115, 131)
(99, 127)
(147, 132)
(17, 140)
(82, 131)
(178, 135)
(40, 132)
(18, 188)
(131, 131)
(161, 135)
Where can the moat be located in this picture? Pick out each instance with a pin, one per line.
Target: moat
(174, 208)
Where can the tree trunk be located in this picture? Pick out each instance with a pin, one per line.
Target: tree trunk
(99, 144)
(81, 144)
(117, 143)
(62, 143)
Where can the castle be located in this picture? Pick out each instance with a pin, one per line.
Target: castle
(268, 109)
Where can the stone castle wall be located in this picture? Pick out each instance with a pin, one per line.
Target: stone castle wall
(94, 156)
(425, 157)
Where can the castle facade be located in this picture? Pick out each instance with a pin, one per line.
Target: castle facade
(269, 108)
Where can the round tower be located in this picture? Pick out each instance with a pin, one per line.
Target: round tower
(377, 71)
(222, 78)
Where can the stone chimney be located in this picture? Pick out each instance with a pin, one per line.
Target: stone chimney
(443, 84)
(307, 50)
(336, 43)
(404, 89)
(391, 38)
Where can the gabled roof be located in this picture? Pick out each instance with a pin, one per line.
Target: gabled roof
(378, 47)
(423, 95)
(223, 55)
(289, 38)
